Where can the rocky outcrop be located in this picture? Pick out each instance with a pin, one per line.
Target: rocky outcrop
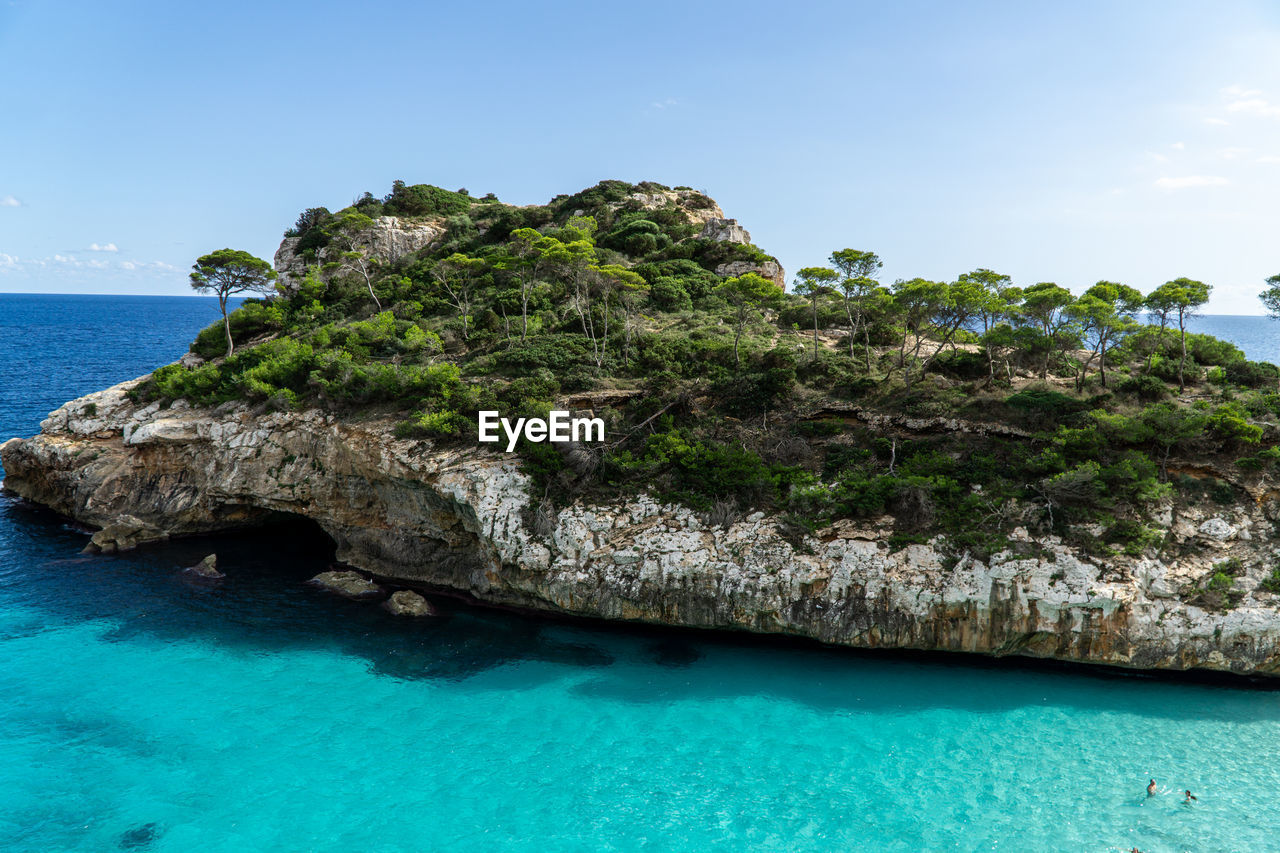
(453, 518)
(389, 238)
(348, 584)
(771, 270)
(406, 602)
(725, 231)
(205, 570)
(698, 207)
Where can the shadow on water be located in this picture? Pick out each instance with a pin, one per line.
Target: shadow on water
(264, 603)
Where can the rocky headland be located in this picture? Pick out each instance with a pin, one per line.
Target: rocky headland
(301, 433)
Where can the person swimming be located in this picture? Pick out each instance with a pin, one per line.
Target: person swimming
(1189, 797)
(1151, 788)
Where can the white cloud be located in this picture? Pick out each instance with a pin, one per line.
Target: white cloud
(1240, 92)
(1217, 121)
(9, 201)
(1189, 181)
(19, 265)
(1269, 158)
(1179, 146)
(103, 247)
(1249, 102)
(154, 266)
(662, 105)
(1254, 106)
(1232, 153)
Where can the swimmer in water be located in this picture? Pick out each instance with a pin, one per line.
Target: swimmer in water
(1189, 797)
(1151, 788)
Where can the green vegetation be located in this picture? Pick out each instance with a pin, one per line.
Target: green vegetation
(227, 272)
(732, 395)
(1218, 592)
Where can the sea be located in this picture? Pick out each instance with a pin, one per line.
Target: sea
(139, 712)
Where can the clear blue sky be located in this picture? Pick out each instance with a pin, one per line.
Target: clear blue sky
(1135, 141)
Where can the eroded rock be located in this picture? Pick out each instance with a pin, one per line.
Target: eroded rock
(206, 570)
(406, 602)
(125, 534)
(348, 584)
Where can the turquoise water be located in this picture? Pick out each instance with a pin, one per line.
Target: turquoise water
(139, 712)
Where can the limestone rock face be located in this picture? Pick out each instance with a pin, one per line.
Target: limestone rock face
(408, 603)
(348, 584)
(388, 239)
(771, 270)
(698, 207)
(455, 518)
(725, 231)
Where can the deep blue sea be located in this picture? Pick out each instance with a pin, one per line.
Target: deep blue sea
(140, 713)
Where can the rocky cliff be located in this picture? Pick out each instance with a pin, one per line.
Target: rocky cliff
(389, 238)
(455, 519)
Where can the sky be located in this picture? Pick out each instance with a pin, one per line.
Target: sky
(1069, 142)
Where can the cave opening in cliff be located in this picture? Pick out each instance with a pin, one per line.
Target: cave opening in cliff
(282, 543)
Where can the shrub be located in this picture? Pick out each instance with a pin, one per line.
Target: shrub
(1206, 350)
(424, 200)
(691, 277)
(1271, 583)
(1134, 537)
(250, 320)
(637, 238)
(1146, 388)
(1252, 374)
(558, 353)
(669, 294)
(961, 364)
(1229, 424)
(1042, 406)
(1166, 368)
(444, 424)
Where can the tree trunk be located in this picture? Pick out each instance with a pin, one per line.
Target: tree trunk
(853, 328)
(226, 322)
(1182, 328)
(524, 314)
(815, 328)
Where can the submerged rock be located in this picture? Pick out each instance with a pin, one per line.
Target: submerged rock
(143, 835)
(348, 584)
(408, 603)
(206, 570)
